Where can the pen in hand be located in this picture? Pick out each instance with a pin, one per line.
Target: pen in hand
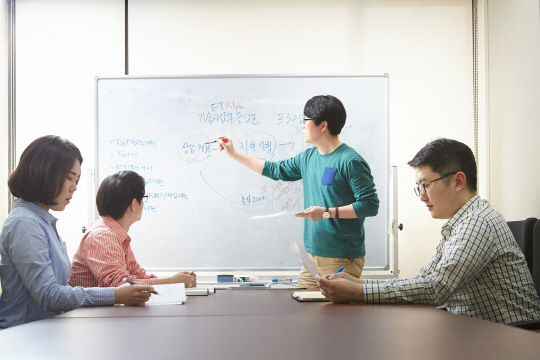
(136, 283)
(337, 271)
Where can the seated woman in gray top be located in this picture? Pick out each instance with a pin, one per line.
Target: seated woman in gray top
(35, 267)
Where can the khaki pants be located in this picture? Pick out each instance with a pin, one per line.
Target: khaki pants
(353, 267)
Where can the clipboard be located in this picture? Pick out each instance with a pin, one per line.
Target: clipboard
(309, 296)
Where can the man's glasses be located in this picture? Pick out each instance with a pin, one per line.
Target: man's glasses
(306, 120)
(420, 189)
(145, 198)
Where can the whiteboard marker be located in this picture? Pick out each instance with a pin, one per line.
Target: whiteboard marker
(224, 139)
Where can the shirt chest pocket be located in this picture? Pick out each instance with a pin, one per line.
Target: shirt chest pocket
(329, 176)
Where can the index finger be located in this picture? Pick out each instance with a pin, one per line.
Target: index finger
(322, 278)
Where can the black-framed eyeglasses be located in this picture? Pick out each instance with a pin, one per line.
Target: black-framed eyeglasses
(145, 198)
(420, 189)
(306, 120)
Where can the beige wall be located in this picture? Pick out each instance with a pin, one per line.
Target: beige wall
(425, 46)
(61, 46)
(514, 107)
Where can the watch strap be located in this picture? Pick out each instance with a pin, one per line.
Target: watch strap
(337, 213)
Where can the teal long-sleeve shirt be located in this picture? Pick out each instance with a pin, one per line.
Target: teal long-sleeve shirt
(340, 178)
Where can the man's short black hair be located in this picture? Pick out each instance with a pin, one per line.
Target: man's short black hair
(43, 168)
(326, 108)
(444, 156)
(117, 191)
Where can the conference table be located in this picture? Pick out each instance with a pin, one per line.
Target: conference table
(265, 324)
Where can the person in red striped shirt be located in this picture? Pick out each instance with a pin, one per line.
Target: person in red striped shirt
(104, 257)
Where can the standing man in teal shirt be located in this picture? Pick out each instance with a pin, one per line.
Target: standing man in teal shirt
(339, 192)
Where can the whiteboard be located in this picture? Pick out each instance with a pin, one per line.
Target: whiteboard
(200, 201)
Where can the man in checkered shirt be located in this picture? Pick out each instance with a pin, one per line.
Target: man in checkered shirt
(477, 270)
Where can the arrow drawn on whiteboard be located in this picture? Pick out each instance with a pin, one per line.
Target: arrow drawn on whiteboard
(289, 143)
(236, 203)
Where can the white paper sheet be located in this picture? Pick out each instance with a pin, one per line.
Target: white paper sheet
(168, 294)
(281, 213)
(303, 256)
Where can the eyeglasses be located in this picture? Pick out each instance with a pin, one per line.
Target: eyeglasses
(420, 189)
(306, 120)
(145, 198)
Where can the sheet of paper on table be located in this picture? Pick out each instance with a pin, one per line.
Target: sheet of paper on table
(169, 294)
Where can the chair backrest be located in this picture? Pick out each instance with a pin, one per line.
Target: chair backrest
(523, 233)
(536, 256)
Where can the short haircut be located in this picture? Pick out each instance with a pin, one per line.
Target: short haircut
(326, 108)
(117, 191)
(444, 156)
(43, 168)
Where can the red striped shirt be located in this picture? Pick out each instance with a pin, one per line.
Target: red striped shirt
(105, 258)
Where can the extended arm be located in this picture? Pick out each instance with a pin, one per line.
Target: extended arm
(459, 260)
(27, 246)
(315, 213)
(250, 162)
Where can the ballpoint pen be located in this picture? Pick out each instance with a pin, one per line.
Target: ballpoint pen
(136, 283)
(337, 271)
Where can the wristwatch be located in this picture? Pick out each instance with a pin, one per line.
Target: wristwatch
(326, 214)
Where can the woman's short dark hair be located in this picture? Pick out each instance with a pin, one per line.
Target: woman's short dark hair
(444, 156)
(43, 168)
(117, 191)
(326, 108)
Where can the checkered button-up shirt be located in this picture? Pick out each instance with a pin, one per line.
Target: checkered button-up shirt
(477, 270)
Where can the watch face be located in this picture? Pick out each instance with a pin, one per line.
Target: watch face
(326, 215)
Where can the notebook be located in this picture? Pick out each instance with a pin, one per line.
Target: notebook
(169, 294)
(308, 296)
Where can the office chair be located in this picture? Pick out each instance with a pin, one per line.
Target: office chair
(536, 257)
(523, 233)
